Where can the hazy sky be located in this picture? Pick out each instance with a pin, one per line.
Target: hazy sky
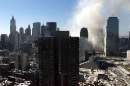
(29, 11)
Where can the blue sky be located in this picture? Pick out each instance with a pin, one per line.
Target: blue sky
(29, 11)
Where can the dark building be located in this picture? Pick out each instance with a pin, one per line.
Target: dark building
(59, 60)
(123, 44)
(84, 33)
(36, 30)
(112, 37)
(28, 31)
(43, 30)
(4, 41)
(21, 36)
(13, 34)
(51, 27)
(21, 31)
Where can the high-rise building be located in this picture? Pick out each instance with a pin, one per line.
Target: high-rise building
(13, 34)
(59, 60)
(36, 30)
(28, 31)
(28, 36)
(21, 31)
(12, 25)
(84, 33)
(123, 44)
(4, 41)
(4, 37)
(21, 35)
(43, 30)
(112, 37)
(51, 27)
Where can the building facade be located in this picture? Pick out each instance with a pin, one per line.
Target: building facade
(59, 60)
(112, 37)
(51, 27)
(13, 36)
(36, 30)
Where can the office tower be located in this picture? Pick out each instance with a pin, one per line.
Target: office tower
(43, 30)
(123, 44)
(4, 41)
(4, 37)
(12, 25)
(68, 53)
(21, 31)
(58, 60)
(46, 62)
(17, 41)
(84, 33)
(13, 34)
(28, 36)
(112, 36)
(36, 30)
(51, 27)
(21, 35)
(28, 31)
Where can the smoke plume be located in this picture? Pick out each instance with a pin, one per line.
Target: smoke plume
(93, 14)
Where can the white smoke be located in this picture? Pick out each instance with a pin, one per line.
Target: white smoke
(92, 14)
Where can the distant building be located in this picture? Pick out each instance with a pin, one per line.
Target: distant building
(36, 30)
(13, 36)
(17, 41)
(112, 37)
(21, 31)
(28, 36)
(129, 41)
(51, 27)
(28, 31)
(12, 25)
(123, 44)
(4, 41)
(43, 30)
(84, 33)
(59, 60)
(21, 36)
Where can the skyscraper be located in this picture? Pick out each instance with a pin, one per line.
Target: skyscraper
(112, 36)
(4, 41)
(36, 30)
(28, 31)
(84, 32)
(12, 25)
(21, 36)
(43, 30)
(51, 27)
(59, 60)
(21, 31)
(13, 34)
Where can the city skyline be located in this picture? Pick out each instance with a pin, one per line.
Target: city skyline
(45, 11)
(29, 11)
